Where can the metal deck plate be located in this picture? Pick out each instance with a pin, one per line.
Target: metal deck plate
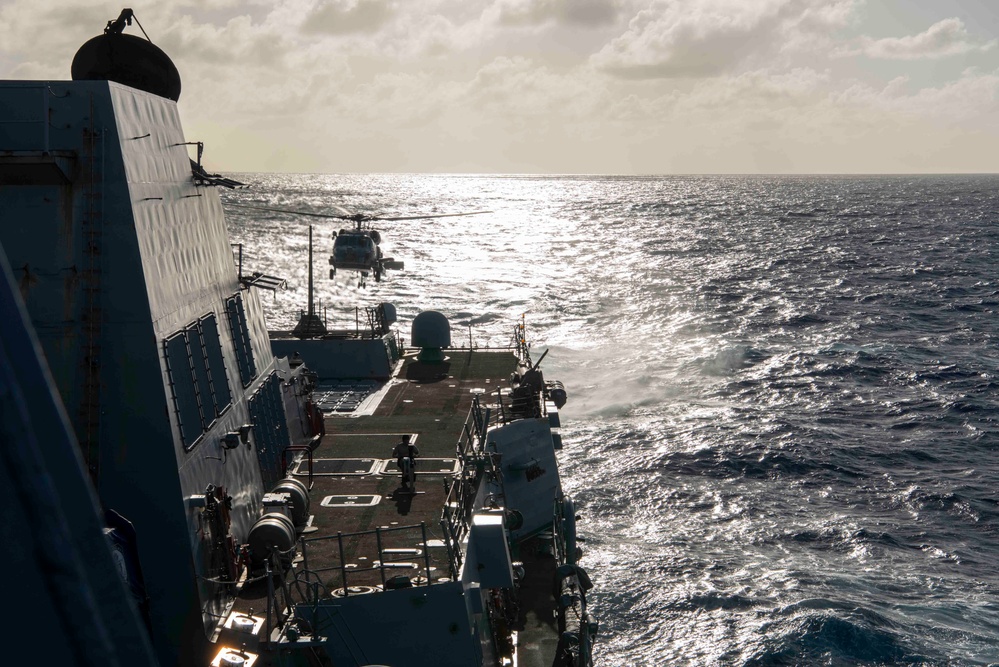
(423, 467)
(351, 501)
(342, 396)
(338, 467)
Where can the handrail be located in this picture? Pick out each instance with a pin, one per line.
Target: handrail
(382, 562)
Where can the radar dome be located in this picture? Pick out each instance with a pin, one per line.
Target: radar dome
(128, 60)
(388, 310)
(431, 331)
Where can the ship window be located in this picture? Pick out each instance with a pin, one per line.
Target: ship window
(216, 365)
(270, 428)
(184, 388)
(198, 380)
(202, 385)
(241, 339)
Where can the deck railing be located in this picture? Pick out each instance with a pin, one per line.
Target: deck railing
(460, 489)
(395, 548)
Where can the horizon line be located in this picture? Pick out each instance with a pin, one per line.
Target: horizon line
(527, 174)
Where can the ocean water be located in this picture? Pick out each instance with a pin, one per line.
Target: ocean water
(783, 391)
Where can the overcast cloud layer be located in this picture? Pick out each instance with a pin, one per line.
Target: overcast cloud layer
(560, 86)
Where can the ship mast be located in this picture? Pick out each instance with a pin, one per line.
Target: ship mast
(309, 325)
(312, 307)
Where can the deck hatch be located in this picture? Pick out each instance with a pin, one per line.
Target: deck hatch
(338, 467)
(342, 396)
(424, 466)
(351, 501)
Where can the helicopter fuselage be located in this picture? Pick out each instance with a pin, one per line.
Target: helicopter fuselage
(356, 250)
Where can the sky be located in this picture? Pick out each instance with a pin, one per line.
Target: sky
(560, 86)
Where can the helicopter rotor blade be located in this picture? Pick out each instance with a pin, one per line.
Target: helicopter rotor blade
(424, 217)
(343, 214)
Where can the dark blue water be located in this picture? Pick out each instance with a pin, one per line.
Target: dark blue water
(783, 391)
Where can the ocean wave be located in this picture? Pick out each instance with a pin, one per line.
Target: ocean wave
(783, 391)
(822, 631)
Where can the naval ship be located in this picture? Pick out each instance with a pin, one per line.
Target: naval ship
(181, 486)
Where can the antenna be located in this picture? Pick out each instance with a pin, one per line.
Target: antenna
(312, 308)
(309, 325)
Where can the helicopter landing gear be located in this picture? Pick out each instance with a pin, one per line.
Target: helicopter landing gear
(378, 274)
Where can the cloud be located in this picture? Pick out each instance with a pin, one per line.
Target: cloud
(814, 98)
(944, 38)
(973, 96)
(397, 101)
(60, 27)
(808, 120)
(238, 41)
(345, 17)
(211, 5)
(591, 13)
(548, 85)
(520, 91)
(695, 38)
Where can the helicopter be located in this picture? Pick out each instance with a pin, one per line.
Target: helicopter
(358, 248)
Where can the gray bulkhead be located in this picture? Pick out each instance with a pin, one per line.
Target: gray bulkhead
(72, 607)
(419, 626)
(530, 472)
(117, 251)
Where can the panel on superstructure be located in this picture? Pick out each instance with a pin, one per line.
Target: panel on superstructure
(266, 410)
(184, 388)
(236, 317)
(221, 393)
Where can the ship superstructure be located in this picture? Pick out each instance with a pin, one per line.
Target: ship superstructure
(248, 523)
(161, 359)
